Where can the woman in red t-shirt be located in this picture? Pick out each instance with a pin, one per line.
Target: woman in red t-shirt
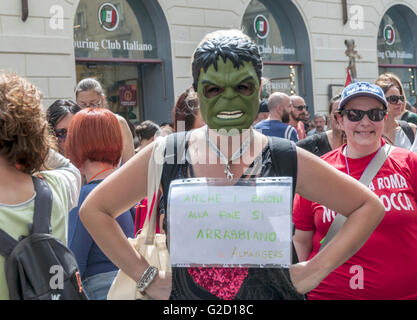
(386, 265)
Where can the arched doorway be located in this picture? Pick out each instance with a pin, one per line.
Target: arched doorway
(397, 52)
(282, 37)
(125, 45)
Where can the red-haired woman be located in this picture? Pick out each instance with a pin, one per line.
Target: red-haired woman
(94, 145)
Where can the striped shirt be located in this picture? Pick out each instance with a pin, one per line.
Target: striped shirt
(277, 128)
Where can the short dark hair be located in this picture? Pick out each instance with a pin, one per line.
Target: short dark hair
(59, 109)
(227, 44)
(146, 129)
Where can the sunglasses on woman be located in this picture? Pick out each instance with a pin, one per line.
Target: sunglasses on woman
(61, 134)
(394, 99)
(357, 115)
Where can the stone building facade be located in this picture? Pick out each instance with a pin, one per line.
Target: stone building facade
(304, 52)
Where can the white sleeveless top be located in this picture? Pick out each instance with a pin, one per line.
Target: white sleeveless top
(401, 139)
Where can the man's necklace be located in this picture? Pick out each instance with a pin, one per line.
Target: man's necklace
(236, 155)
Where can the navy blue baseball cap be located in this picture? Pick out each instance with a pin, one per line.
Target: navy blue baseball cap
(362, 89)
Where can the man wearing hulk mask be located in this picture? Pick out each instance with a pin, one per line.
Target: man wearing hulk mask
(227, 70)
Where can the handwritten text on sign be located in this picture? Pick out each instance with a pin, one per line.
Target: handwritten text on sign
(230, 226)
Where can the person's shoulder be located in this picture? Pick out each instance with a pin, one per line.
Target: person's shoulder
(311, 132)
(403, 154)
(262, 124)
(54, 180)
(122, 121)
(330, 156)
(403, 161)
(60, 200)
(119, 117)
(310, 140)
(410, 117)
(286, 125)
(307, 140)
(87, 188)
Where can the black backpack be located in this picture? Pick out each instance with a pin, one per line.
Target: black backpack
(39, 266)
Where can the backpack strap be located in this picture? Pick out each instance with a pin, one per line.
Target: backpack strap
(41, 216)
(405, 116)
(284, 162)
(367, 176)
(284, 158)
(407, 130)
(43, 207)
(7, 244)
(174, 156)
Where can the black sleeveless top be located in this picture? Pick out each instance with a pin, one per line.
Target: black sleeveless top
(317, 144)
(260, 283)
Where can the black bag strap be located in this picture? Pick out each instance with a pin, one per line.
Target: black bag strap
(367, 176)
(43, 207)
(284, 162)
(407, 130)
(7, 244)
(174, 156)
(41, 216)
(284, 158)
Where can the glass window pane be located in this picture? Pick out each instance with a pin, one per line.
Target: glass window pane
(272, 33)
(113, 30)
(394, 39)
(280, 79)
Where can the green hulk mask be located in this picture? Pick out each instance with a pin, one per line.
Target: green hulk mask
(229, 97)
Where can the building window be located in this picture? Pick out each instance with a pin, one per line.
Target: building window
(396, 51)
(273, 33)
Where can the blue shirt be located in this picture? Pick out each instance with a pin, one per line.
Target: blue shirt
(278, 129)
(91, 260)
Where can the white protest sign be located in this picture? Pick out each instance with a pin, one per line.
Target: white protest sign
(248, 224)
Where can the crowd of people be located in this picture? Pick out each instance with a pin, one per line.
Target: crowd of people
(96, 164)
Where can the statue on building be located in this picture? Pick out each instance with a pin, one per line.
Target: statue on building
(352, 54)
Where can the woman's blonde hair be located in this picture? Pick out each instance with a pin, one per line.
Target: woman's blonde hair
(24, 132)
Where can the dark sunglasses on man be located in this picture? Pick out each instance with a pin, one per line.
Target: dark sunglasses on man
(357, 115)
(301, 108)
(395, 98)
(61, 134)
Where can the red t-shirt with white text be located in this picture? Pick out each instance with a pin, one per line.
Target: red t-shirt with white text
(386, 265)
